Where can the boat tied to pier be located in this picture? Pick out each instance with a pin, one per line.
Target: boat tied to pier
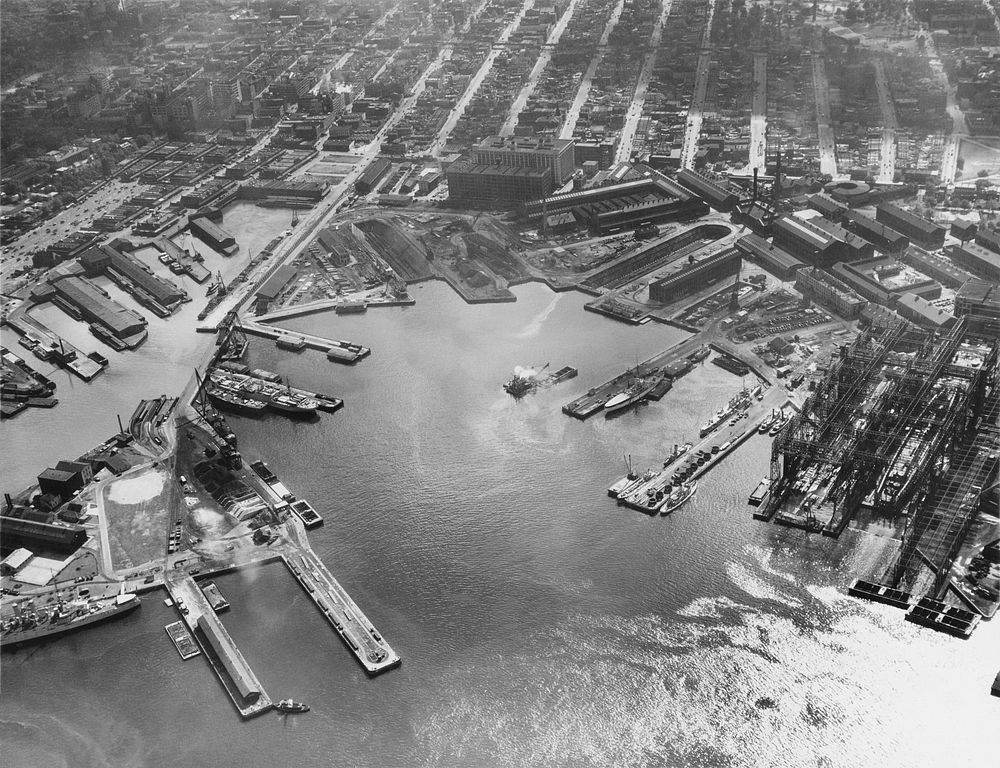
(678, 497)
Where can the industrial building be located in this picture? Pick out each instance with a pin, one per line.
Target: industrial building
(105, 259)
(605, 209)
(39, 536)
(275, 284)
(917, 228)
(235, 665)
(988, 238)
(714, 193)
(940, 268)
(884, 280)
(95, 306)
(532, 152)
(829, 291)
(808, 242)
(213, 235)
(978, 301)
(486, 186)
(921, 312)
(885, 238)
(828, 207)
(773, 258)
(696, 276)
(979, 260)
(372, 175)
(852, 246)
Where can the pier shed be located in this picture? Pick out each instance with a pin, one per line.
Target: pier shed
(232, 661)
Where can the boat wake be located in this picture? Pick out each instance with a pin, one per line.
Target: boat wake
(534, 326)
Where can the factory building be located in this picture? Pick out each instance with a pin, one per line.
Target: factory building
(711, 191)
(696, 276)
(39, 536)
(855, 248)
(530, 152)
(884, 280)
(773, 258)
(104, 258)
(828, 207)
(917, 228)
(234, 663)
(487, 186)
(275, 284)
(808, 242)
(921, 312)
(96, 306)
(977, 259)
(988, 238)
(652, 212)
(885, 238)
(829, 291)
(978, 301)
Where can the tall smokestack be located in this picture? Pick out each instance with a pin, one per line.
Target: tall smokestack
(755, 184)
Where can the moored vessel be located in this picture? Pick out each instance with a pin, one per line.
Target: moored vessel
(678, 497)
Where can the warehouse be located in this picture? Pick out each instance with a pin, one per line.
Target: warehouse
(773, 258)
(275, 284)
(885, 279)
(585, 203)
(235, 665)
(41, 537)
(372, 175)
(486, 186)
(978, 301)
(977, 259)
(807, 242)
(938, 267)
(711, 191)
(917, 228)
(693, 277)
(105, 258)
(828, 207)
(886, 239)
(922, 312)
(213, 235)
(96, 306)
(852, 247)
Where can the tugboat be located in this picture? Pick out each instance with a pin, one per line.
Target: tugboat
(291, 707)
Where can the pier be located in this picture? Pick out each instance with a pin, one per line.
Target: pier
(48, 345)
(235, 674)
(193, 269)
(335, 350)
(716, 445)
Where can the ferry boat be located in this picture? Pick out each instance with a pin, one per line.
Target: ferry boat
(41, 622)
(291, 707)
(678, 497)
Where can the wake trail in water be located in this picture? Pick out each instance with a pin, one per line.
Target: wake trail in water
(534, 326)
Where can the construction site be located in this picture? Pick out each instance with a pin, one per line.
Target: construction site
(901, 433)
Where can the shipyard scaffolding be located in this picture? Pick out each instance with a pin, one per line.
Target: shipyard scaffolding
(899, 425)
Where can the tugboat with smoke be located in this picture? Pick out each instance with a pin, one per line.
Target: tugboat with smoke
(527, 380)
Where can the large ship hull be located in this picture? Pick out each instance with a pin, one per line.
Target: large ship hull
(54, 629)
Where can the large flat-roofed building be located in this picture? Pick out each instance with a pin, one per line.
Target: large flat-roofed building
(933, 265)
(977, 259)
(276, 283)
(917, 228)
(713, 192)
(883, 237)
(487, 186)
(96, 306)
(695, 276)
(531, 152)
(773, 258)
(922, 312)
(829, 291)
(978, 301)
(232, 661)
(988, 238)
(649, 212)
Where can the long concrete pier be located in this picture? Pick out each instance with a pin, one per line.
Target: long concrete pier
(338, 351)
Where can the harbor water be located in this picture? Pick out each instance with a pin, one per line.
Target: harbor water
(539, 623)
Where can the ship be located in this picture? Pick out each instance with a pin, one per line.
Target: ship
(678, 497)
(293, 405)
(291, 707)
(737, 404)
(44, 622)
(631, 397)
(235, 403)
(760, 493)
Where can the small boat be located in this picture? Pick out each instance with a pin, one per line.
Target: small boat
(291, 707)
(618, 399)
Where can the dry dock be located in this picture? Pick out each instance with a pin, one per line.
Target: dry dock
(337, 351)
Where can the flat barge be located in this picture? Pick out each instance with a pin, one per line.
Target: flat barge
(182, 640)
(937, 615)
(301, 508)
(879, 593)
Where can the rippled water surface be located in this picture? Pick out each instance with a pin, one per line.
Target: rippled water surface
(539, 624)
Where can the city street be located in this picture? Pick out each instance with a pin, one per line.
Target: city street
(827, 145)
(693, 131)
(887, 163)
(758, 115)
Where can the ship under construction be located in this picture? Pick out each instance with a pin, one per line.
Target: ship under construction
(903, 428)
